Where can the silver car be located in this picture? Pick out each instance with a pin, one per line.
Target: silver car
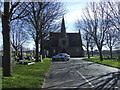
(61, 57)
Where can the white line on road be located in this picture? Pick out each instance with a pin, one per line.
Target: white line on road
(85, 79)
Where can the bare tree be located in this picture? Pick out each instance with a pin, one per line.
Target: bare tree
(11, 12)
(86, 37)
(99, 18)
(88, 41)
(112, 39)
(113, 34)
(114, 13)
(98, 23)
(83, 26)
(6, 40)
(18, 35)
(92, 44)
(43, 17)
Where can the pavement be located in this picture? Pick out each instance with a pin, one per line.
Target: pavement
(78, 73)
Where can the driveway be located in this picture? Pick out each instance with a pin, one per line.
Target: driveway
(78, 73)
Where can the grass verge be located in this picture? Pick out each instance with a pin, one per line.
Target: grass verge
(27, 76)
(113, 63)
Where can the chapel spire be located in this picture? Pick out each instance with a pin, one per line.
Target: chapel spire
(63, 29)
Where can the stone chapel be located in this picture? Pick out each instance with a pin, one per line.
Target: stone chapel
(62, 42)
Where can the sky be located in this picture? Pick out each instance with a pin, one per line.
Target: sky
(74, 12)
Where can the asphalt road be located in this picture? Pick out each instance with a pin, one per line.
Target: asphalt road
(78, 73)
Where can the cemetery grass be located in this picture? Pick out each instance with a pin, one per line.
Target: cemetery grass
(27, 76)
(112, 63)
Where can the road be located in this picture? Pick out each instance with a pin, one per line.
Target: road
(78, 73)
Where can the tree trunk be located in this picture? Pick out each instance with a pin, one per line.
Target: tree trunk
(111, 52)
(21, 54)
(16, 54)
(41, 44)
(7, 69)
(92, 51)
(100, 53)
(41, 52)
(16, 51)
(37, 50)
(88, 53)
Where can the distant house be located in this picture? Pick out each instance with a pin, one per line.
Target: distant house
(62, 42)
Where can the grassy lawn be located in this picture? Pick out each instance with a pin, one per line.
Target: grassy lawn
(27, 76)
(113, 63)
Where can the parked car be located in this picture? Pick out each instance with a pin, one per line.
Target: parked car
(61, 57)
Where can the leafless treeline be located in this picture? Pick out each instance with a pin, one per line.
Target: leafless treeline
(36, 18)
(100, 26)
(41, 20)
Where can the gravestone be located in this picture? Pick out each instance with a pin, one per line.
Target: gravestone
(13, 61)
(119, 58)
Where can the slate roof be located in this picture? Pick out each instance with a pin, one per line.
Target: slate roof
(74, 39)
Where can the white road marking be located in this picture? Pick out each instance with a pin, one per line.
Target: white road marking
(85, 79)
